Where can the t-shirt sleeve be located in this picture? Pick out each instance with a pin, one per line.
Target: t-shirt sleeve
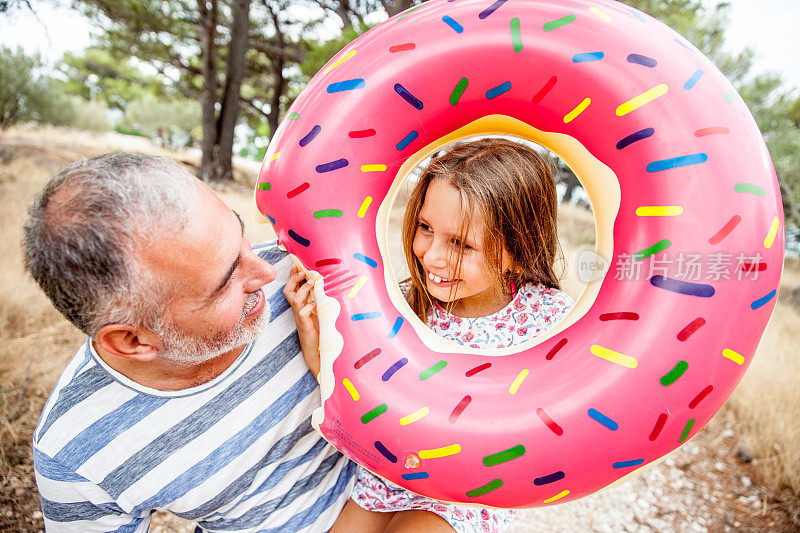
(71, 502)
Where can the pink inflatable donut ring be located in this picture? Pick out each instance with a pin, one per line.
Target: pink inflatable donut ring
(677, 173)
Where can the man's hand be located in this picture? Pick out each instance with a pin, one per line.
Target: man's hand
(298, 292)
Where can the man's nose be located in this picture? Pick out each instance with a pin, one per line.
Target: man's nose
(261, 273)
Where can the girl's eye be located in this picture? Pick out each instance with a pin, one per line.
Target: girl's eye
(424, 227)
(461, 246)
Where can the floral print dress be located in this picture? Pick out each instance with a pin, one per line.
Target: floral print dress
(533, 310)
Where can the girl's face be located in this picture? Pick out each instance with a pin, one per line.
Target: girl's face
(436, 245)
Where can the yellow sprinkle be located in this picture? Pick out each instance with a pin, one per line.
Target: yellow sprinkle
(373, 168)
(557, 496)
(440, 452)
(764, 156)
(275, 156)
(518, 381)
(597, 11)
(614, 357)
(659, 210)
(642, 99)
(578, 110)
(773, 231)
(362, 211)
(413, 417)
(357, 287)
(351, 389)
(347, 56)
(733, 356)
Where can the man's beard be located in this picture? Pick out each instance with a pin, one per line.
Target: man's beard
(187, 350)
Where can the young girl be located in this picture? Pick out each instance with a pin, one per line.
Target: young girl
(479, 235)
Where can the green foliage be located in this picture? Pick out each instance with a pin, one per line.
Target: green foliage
(89, 116)
(97, 74)
(172, 121)
(28, 95)
(317, 54)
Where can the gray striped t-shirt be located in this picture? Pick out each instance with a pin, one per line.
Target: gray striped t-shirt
(237, 453)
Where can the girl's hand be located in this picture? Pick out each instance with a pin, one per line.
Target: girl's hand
(298, 292)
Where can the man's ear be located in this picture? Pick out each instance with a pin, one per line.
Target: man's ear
(129, 342)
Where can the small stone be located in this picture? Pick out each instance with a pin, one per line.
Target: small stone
(37, 515)
(719, 466)
(728, 433)
(746, 481)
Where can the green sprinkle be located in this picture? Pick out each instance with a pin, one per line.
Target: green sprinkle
(264, 186)
(324, 213)
(459, 90)
(432, 370)
(553, 24)
(672, 376)
(375, 413)
(504, 456)
(660, 246)
(516, 37)
(293, 116)
(489, 487)
(687, 429)
(749, 187)
(730, 97)
(404, 15)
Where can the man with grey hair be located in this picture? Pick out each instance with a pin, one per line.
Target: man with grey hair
(190, 394)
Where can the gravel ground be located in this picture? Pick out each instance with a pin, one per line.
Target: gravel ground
(703, 487)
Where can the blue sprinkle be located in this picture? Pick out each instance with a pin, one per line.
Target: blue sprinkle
(684, 44)
(365, 316)
(764, 299)
(310, 135)
(453, 24)
(642, 60)
(394, 368)
(299, 238)
(416, 475)
(333, 165)
(634, 137)
(587, 56)
(693, 80)
(626, 464)
(675, 162)
(497, 91)
(346, 85)
(272, 220)
(396, 327)
(491, 9)
(407, 140)
(603, 419)
(635, 14)
(407, 96)
(682, 287)
(368, 260)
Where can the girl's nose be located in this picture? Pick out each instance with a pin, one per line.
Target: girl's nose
(436, 256)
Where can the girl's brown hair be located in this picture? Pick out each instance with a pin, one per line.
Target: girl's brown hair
(513, 187)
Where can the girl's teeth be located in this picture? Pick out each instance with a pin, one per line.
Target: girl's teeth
(435, 279)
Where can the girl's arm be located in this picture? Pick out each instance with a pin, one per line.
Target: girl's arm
(298, 294)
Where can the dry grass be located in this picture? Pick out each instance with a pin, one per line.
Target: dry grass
(36, 342)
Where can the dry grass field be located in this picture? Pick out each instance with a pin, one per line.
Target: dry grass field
(36, 342)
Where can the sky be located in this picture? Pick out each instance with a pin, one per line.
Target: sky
(770, 27)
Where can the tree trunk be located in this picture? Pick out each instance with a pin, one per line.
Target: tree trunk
(231, 93)
(208, 99)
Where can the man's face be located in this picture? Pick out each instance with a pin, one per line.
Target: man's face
(215, 279)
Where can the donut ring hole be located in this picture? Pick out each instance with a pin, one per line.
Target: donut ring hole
(597, 179)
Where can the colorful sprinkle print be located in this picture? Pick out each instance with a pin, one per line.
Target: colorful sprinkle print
(333, 165)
